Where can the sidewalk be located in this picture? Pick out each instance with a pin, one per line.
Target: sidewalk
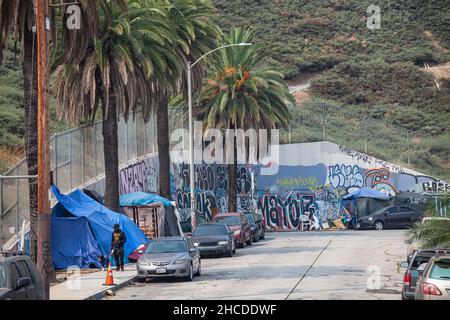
(90, 286)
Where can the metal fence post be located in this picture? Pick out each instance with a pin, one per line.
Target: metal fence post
(56, 159)
(1, 214)
(145, 138)
(95, 150)
(135, 137)
(126, 141)
(82, 156)
(70, 160)
(17, 200)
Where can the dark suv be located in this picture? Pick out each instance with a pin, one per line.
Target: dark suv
(412, 274)
(19, 278)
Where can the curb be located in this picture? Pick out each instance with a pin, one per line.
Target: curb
(102, 294)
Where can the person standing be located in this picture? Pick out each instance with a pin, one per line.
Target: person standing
(117, 242)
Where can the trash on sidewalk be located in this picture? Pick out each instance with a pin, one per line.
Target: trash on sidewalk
(338, 224)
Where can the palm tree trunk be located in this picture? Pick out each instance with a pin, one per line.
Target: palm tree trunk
(232, 185)
(29, 71)
(163, 149)
(111, 156)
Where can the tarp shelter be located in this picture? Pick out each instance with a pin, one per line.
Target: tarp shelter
(365, 201)
(168, 221)
(82, 228)
(366, 193)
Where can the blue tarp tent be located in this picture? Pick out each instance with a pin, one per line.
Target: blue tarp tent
(101, 221)
(73, 243)
(366, 193)
(137, 199)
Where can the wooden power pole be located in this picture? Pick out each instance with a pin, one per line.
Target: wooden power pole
(44, 261)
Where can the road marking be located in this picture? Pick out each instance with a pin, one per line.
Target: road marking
(310, 267)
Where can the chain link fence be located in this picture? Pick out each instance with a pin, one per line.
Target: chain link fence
(77, 160)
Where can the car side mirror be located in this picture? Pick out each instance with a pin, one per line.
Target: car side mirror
(192, 250)
(23, 282)
(230, 232)
(404, 264)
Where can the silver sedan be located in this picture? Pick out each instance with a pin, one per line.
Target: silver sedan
(434, 281)
(169, 257)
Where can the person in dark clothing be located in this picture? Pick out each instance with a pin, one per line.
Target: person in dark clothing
(118, 239)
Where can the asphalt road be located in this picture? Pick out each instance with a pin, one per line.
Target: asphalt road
(295, 265)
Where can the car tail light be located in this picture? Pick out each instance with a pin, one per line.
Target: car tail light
(407, 279)
(431, 289)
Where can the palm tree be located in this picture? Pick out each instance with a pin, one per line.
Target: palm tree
(239, 95)
(17, 19)
(196, 35)
(112, 64)
(434, 232)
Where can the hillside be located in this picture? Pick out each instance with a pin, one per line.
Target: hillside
(375, 73)
(378, 74)
(12, 126)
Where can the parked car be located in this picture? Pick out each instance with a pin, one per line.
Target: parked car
(213, 239)
(256, 225)
(434, 281)
(390, 217)
(169, 257)
(412, 274)
(238, 223)
(253, 227)
(19, 278)
(261, 225)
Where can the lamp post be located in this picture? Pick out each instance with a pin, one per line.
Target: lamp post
(191, 127)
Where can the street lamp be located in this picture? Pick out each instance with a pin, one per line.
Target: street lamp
(191, 126)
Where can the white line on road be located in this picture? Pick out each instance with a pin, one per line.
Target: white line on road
(307, 270)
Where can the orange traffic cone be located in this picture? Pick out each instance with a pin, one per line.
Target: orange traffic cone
(109, 281)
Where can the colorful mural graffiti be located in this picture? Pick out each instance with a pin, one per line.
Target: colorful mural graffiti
(306, 190)
(140, 176)
(345, 176)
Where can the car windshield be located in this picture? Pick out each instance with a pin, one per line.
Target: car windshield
(2, 276)
(166, 246)
(210, 230)
(230, 220)
(440, 270)
(250, 217)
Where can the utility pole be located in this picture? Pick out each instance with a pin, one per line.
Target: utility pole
(324, 123)
(407, 143)
(365, 134)
(44, 263)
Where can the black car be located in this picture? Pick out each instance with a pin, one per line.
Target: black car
(390, 217)
(19, 278)
(257, 225)
(214, 239)
(412, 274)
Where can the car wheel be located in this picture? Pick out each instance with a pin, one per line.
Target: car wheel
(250, 241)
(190, 276)
(141, 280)
(378, 225)
(199, 271)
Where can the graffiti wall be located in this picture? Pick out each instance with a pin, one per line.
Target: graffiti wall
(140, 176)
(307, 189)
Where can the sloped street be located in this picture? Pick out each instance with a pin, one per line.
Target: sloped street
(294, 265)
